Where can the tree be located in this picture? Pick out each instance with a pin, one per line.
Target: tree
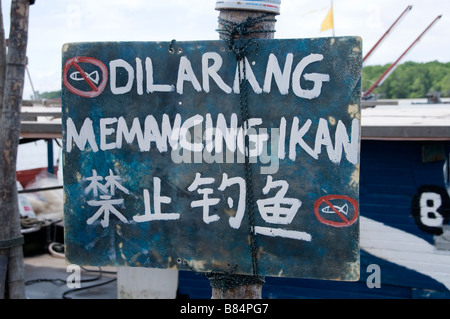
(409, 80)
(49, 95)
(12, 74)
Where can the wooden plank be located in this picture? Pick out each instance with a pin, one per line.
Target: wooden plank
(41, 129)
(41, 111)
(41, 122)
(411, 133)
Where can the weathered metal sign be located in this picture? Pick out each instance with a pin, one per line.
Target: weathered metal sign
(154, 153)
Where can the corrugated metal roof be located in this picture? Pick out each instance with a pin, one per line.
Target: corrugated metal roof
(406, 122)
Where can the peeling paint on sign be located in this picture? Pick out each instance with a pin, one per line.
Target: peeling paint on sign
(153, 158)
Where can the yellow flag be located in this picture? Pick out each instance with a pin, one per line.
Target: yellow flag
(328, 22)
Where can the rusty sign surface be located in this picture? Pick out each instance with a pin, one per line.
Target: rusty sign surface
(154, 153)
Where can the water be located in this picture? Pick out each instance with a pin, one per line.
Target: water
(34, 155)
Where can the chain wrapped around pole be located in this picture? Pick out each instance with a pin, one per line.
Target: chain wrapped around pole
(239, 35)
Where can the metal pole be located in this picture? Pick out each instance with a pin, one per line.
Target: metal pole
(236, 15)
(50, 161)
(31, 83)
(387, 32)
(241, 15)
(386, 73)
(332, 17)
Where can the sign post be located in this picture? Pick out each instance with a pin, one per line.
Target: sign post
(156, 161)
(237, 12)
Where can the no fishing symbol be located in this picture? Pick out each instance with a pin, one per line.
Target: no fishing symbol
(80, 74)
(336, 210)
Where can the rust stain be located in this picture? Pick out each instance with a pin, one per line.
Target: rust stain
(7, 153)
(353, 111)
(332, 120)
(230, 212)
(198, 265)
(354, 179)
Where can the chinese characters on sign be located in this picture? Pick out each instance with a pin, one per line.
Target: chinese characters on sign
(271, 209)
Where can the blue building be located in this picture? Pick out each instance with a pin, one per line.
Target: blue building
(405, 210)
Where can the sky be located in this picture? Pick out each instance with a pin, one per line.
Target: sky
(55, 22)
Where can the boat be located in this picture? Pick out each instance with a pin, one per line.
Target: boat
(403, 190)
(40, 193)
(433, 98)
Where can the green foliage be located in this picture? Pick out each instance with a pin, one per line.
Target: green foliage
(50, 95)
(409, 80)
